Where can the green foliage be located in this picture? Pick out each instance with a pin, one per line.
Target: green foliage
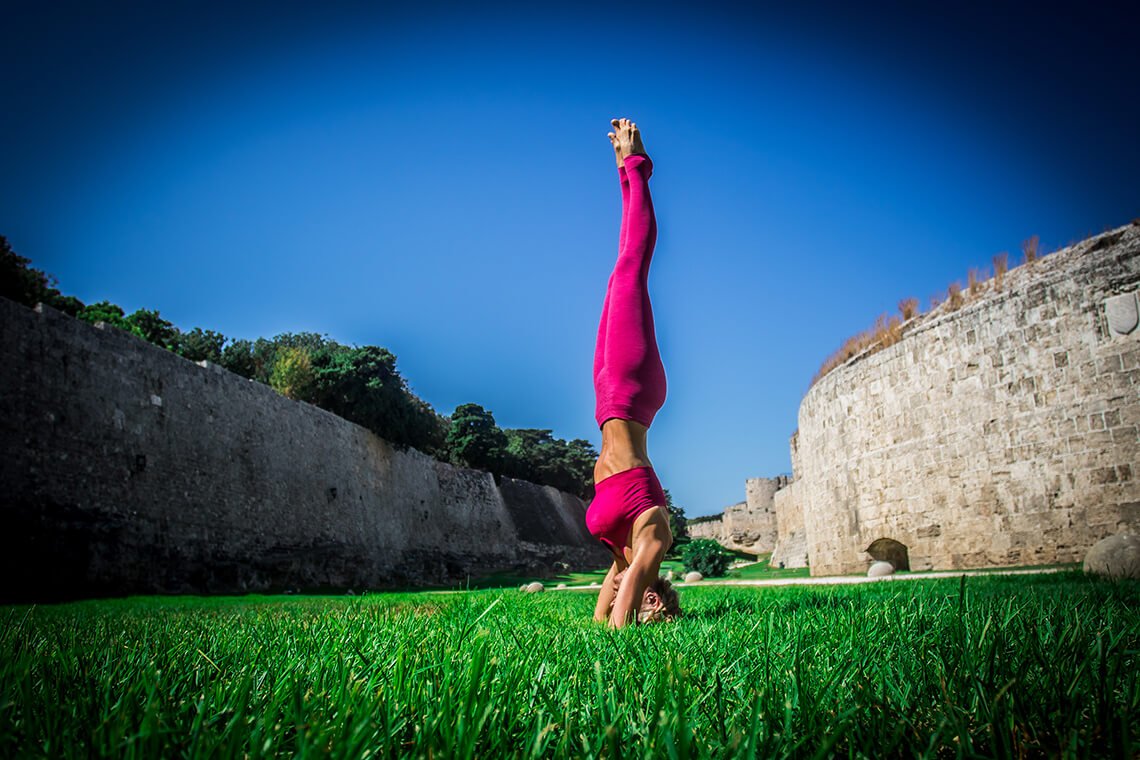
(144, 323)
(537, 456)
(201, 345)
(24, 284)
(151, 327)
(706, 556)
(105, 311)
(678, 524)
(474, 440)
(292, 375)
(362, 385)
(238, 358)
(1042, 666)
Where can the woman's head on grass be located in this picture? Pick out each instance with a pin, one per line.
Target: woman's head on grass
(659, 604)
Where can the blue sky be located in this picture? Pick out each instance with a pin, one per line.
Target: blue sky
(436, 179)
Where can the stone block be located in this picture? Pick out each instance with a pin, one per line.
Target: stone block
(1122, 313)
(1115, 557)
(880, 570)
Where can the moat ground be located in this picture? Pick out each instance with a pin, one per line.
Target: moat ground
(747, 569)
(984, 666)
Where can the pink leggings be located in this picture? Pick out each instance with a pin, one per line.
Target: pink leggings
(629, 379)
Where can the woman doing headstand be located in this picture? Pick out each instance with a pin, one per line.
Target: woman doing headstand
(628, 512)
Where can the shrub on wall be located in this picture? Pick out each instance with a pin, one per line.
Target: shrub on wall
(292, 374)
(706, 556)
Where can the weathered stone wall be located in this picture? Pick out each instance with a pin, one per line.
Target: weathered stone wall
(127, 469)
(712, 527)
(1003, 433)
(749, 526)
(791, 540)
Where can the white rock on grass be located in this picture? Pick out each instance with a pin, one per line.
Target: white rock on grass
(534, 588)
(880, 570)
(561, 585)
(1115, 557)
(693, 576)
(522, 587)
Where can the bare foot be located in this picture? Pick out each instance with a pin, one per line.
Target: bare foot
(617, 149)
(627, 139)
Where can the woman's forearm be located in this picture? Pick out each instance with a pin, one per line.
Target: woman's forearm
(630, 592)
(606, 596)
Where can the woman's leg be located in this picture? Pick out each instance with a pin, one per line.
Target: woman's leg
(629, 378)
(623, 180)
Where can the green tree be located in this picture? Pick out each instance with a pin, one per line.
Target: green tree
(529, 454)
(474, 440)
(362, 385)
(536, 455)
(580, 457)
(678, 523)
(705, 556)
(201, 345)
(237, 357)
(292, 375)
(151, 327)
(105, 311)
(428, 429)
(22, 283)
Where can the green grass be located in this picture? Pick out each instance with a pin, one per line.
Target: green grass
(990, 667)
(758, 570)
(514, 580)
(761, 570)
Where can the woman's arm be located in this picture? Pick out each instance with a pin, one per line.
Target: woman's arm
(651, 540)
(606, 595)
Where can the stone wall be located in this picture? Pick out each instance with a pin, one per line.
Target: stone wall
(1002, 433)
(791, 540)
(749, 526)
(128, 469)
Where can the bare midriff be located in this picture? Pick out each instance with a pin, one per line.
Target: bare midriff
(623, 448)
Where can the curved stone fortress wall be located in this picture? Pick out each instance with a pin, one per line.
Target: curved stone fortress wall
(1003, 433)
(127, 469)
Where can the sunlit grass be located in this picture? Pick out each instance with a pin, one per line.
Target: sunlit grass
(994, 666)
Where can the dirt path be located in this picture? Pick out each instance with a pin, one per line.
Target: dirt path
(842, 580)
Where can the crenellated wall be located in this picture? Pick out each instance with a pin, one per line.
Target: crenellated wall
(1005, 432)
(127, 469)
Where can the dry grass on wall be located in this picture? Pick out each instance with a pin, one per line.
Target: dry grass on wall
(889, 330)
(1029, 249)
(908, 307)
(955, 300)
(1001, 265)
